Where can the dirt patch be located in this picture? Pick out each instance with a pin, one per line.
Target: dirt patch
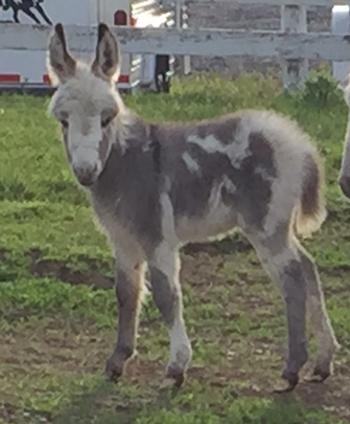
(226, 246)
(252, 371)
(7, 412)
(201, 263)
(332, 396)
(202, 270)
(61, 271)
(3, 254)
(336, 271)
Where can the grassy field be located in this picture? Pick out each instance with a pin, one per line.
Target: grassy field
(57, 309)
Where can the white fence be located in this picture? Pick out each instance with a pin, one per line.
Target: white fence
(293, 44)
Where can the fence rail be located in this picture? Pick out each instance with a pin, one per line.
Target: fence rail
(326, 3)
(189, 42)
(293, 45)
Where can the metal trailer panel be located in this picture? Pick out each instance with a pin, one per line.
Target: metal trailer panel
(31, 66)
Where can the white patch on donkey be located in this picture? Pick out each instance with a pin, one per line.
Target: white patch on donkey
(253, 170)
(191, 164)
(209, 143)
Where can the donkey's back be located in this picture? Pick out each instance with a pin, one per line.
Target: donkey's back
(253, 169)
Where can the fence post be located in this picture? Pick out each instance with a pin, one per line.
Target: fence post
(294, 20)
(181, 21)
(184, 24)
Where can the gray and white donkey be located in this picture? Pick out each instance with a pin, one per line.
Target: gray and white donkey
(156, 187)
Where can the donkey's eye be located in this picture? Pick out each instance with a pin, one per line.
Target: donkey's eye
(64, 123)
(106, 121)
(107, 116)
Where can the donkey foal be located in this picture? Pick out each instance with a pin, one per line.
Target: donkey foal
(156, 187)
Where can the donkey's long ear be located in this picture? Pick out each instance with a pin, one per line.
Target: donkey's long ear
(107, 61)
(61, 64)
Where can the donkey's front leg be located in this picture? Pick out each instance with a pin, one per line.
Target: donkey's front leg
(164, 267)
(129, 287)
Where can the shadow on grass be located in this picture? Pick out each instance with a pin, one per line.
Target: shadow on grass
(94, 406)
(109, 404)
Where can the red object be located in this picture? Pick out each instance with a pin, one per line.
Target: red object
(120, 18)
(10, 78)
(123, 78)
(133, 21)
(46, 79)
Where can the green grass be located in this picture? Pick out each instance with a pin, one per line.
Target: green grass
(55, 334)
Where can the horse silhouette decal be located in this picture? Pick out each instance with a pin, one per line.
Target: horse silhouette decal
(27, 7)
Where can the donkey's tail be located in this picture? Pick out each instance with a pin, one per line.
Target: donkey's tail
(312, 209)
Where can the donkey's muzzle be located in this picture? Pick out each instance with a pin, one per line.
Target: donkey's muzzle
(86, 175)
(344, 183)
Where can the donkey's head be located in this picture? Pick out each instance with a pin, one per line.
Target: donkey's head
(85, 102)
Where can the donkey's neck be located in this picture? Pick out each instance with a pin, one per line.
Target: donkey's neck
(128, 189)
(131, 162)
(131, 130)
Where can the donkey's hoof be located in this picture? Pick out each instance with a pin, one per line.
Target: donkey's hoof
(176, 374)
(319, 375)
(113, 371)
(291, 379)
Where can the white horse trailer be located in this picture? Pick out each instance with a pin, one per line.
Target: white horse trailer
(20, 69)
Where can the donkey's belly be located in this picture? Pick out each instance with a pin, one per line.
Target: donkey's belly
(216, 224)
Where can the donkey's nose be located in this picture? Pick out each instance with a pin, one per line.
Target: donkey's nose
(344, 183)
(86, 175)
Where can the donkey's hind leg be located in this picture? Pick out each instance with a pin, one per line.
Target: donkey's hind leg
(281, 260)
(164, 267)
(319, 320)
